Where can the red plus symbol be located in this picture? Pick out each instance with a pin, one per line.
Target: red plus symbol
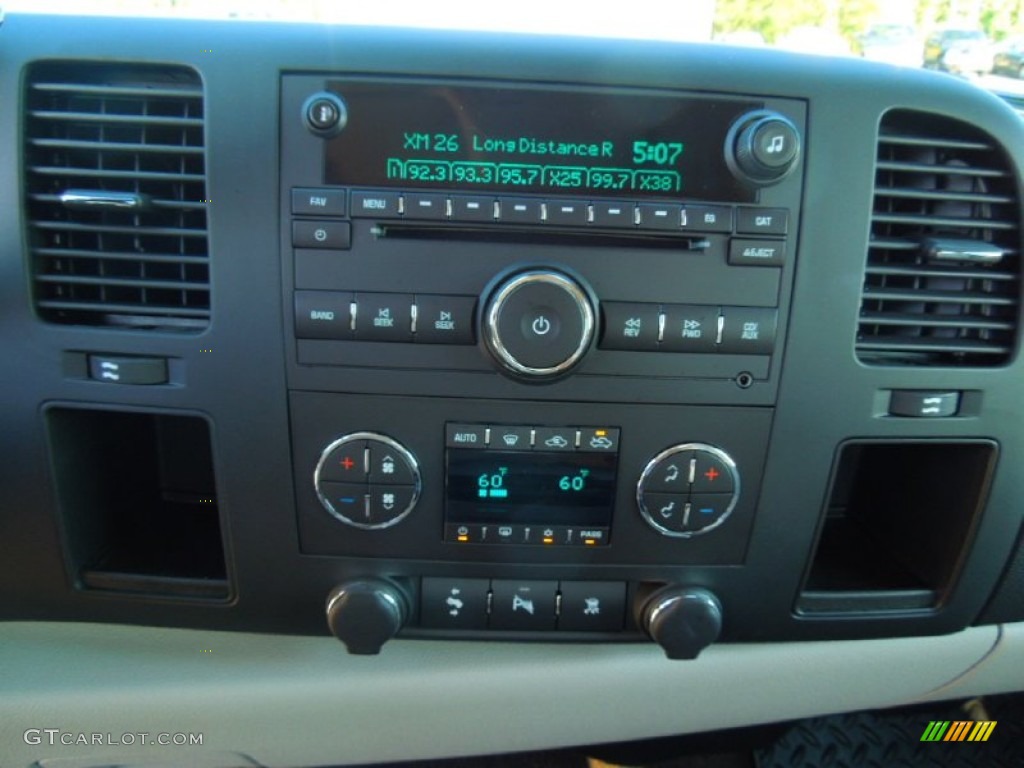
(347, 462)
(711, 474)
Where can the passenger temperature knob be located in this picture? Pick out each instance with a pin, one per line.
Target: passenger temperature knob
(762, 148)
(682, 620)
(366, 613)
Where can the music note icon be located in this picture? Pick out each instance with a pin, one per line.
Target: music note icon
(778, 144)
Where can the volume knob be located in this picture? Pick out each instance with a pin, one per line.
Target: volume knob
(763, 148)
(539, 324)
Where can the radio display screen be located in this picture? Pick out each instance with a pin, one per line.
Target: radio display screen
(532, 140)
(530, 487)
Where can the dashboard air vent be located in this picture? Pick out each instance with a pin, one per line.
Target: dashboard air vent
(943, 272)
(115, 194)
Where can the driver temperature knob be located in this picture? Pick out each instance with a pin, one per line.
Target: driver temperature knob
(366, 613)
(682, 620)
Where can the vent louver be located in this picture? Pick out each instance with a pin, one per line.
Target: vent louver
(115, 192)
(943, 273)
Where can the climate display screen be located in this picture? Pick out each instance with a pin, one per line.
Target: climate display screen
(520, 140)
(544, 488)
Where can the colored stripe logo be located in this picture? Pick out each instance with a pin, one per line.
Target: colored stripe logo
(958, 730)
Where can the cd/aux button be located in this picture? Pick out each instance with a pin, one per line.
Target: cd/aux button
(748, 330)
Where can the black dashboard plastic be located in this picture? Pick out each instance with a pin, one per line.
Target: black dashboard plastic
(270, 402)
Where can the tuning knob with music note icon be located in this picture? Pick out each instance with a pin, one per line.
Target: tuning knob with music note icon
(762, 148)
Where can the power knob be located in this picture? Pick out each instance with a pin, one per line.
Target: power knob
(538, 324)
(682, 620)
(762, 148)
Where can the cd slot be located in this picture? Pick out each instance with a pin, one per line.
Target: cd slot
(532, 236)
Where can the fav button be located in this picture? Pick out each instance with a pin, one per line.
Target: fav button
(314, 201)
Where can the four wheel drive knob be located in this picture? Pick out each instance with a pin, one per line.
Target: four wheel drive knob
(366, 613)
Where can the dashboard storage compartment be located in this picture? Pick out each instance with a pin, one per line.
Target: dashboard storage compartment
(138, 502)
(899, 522)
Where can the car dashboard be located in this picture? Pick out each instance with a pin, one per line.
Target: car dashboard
(549, 375)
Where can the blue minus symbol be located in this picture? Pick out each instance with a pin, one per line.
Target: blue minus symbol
(707, 510)
(347, 500)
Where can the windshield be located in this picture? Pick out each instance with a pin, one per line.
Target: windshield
(907, 33)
